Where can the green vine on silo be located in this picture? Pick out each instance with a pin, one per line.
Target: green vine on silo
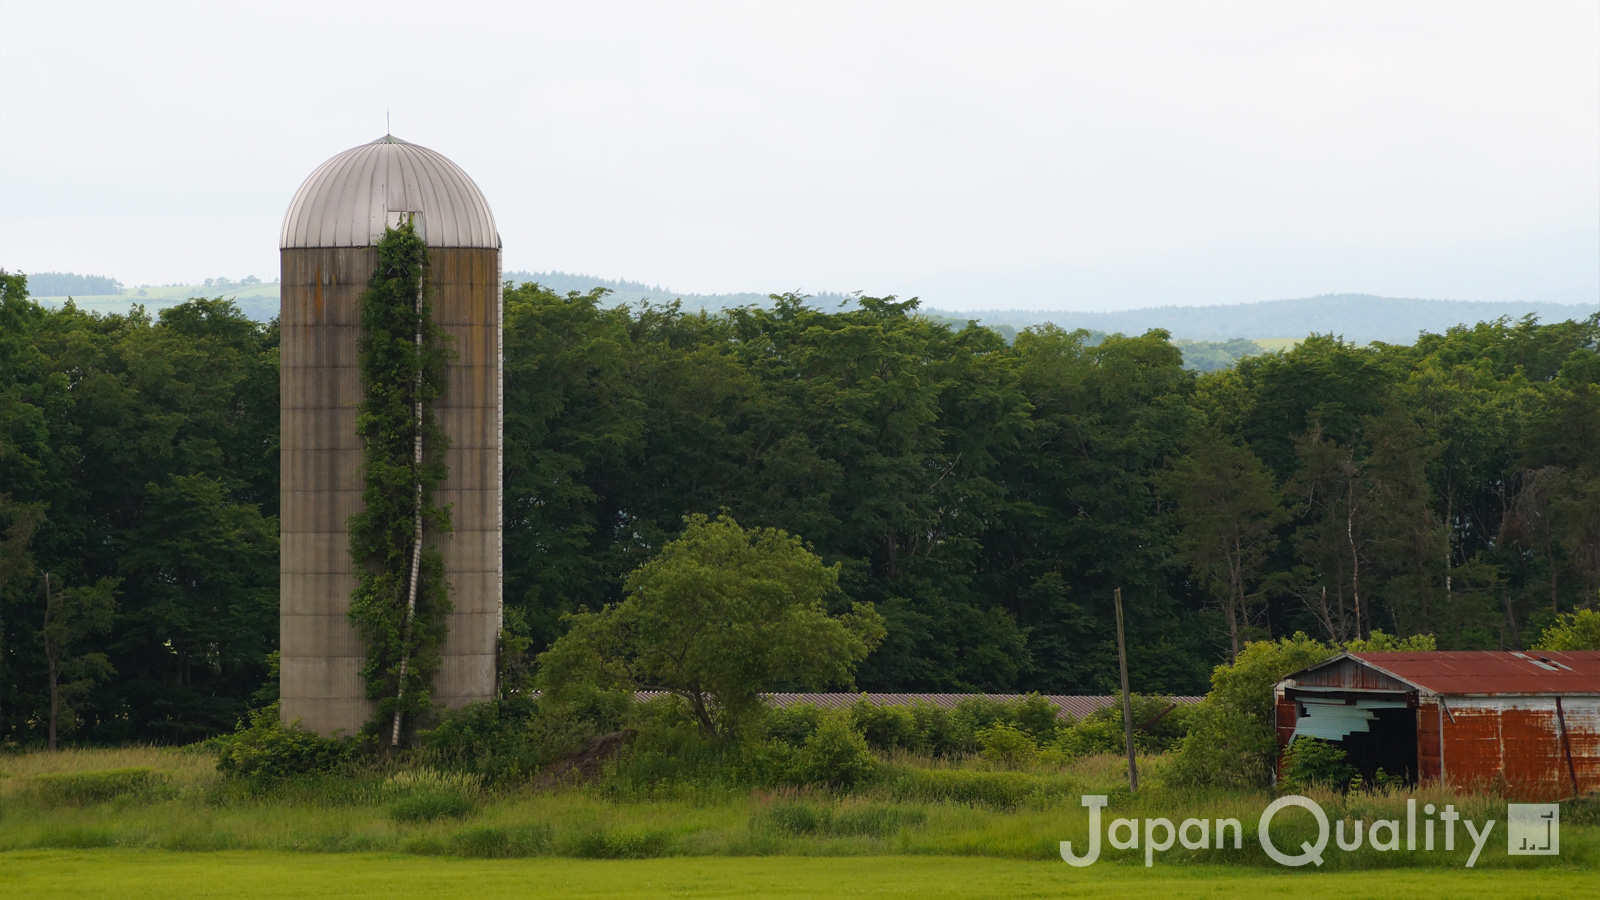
(401, 355)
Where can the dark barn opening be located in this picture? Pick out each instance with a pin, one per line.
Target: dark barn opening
(1389, 744)
(1376, 730)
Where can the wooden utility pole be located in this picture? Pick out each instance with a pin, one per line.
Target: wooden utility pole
(1127, 699)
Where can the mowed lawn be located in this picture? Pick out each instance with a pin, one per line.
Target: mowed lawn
(174, 875)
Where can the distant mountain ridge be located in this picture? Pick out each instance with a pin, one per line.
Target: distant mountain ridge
(625, 291)
(1356, 317)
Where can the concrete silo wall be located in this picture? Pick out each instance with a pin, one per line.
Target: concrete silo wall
(466, 306)
(322, 654)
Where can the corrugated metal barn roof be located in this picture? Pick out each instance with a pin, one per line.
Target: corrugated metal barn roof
(1491, 671)
(1075, 705)
(351, 198)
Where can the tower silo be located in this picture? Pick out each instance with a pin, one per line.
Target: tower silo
(327, 256)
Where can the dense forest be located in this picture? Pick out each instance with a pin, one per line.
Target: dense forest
(986, 496)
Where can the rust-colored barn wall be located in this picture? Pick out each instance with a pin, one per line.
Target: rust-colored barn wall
(321, 482)
(1581, 717)
(1285, 713)
(1515, 744)
(1429, 761)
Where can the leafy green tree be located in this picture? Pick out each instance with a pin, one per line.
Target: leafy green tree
(1410, 543)
(1324, 383)
(1088, 516)
(1229, 510)
(1337, 532)
(70, 616)
(20, 521)
(1381, 642)
(151, 443)
(720, 615)
(574, 427)
(1578, 630)
(1231, 740)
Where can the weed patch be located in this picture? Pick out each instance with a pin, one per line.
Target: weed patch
(88, 788)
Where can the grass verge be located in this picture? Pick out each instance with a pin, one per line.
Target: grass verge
(171, 876)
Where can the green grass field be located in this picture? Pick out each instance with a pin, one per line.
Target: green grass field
(171, 876)
(183, 805)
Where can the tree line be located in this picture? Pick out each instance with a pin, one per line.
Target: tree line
(62, 284)
(985, 497)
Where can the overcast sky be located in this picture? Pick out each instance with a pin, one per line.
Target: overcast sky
(1094, 155)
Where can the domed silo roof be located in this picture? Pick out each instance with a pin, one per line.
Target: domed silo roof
(351, 198)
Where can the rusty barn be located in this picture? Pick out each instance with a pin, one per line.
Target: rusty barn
(1526, 723)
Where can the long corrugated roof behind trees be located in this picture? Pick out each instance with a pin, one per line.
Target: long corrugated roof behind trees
(1074, 705)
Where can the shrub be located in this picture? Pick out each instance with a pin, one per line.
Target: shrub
(1007, 745)
(885, 727)
(974, 713)
(667, 754)
(1091, 736)
(766, 764)
(1231, 741)
(509, 739)
(937, 730)
(835, 755)
(485, 737)
(269, 749)
(793, 724)
(86, 788)
(1312, 762)
(1159, 724)
(1038, 717)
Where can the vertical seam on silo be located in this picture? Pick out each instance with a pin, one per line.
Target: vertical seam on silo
(287, 237)
(358, 188)
(428, 198)
(448, 199)
(400, 168)
(361, 203)
(326, 214)
(317, 210)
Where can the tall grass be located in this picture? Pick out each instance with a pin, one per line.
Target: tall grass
(917, 805)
